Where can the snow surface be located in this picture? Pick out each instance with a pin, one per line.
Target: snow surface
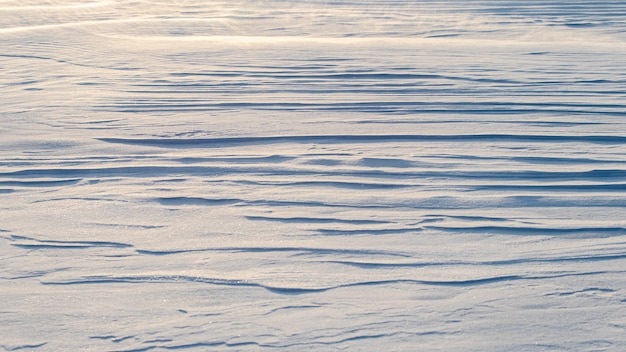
(312, 175)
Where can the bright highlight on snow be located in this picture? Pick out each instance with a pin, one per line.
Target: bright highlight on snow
(319, 175)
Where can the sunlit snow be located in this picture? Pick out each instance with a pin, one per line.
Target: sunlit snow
(312, 175)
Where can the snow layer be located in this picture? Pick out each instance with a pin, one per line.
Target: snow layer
(321, 175)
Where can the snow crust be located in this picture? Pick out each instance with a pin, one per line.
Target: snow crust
(322, 175)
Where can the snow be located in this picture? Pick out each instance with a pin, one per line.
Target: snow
(347, 175)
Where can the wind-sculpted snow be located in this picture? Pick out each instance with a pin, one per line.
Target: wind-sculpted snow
(312, 175)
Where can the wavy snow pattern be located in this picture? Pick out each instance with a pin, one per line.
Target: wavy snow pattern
(302, 290)
(342, 175)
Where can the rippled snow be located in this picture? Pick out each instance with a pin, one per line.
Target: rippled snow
(374, 175)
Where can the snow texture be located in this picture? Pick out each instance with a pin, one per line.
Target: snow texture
(312, 175)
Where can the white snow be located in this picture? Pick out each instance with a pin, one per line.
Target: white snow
(322, 175)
